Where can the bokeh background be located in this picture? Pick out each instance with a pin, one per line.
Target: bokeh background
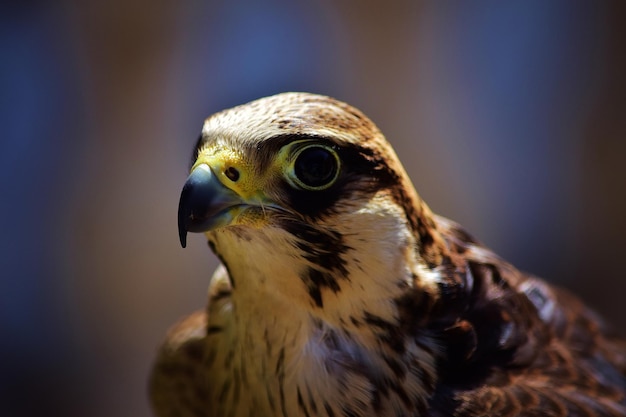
(510, 118)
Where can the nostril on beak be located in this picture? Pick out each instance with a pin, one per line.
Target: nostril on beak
(232, 174)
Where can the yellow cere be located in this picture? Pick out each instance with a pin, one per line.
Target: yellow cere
(249, 186)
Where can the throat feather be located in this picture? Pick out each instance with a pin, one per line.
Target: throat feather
(318, 314)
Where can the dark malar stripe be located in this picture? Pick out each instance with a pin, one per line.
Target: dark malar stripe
(320, 247)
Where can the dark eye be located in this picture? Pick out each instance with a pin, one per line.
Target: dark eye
(316, 167)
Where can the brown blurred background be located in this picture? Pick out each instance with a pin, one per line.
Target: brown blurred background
(510, 118)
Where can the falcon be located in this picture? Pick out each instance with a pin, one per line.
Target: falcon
(340, 294)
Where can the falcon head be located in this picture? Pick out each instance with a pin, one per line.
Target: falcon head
(304, 201)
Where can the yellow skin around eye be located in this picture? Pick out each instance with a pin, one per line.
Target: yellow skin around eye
(287, 156)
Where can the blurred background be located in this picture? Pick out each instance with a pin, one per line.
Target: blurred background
(509, 116)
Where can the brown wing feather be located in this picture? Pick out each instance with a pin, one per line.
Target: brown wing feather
(520, 347)
(177, 384)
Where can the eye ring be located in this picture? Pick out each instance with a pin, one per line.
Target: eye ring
(314, 167)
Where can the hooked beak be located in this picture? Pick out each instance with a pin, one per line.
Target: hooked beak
(205, 203)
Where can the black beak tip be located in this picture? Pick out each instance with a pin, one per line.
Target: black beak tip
(182, 235)
(182, 227)
(184, 212)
